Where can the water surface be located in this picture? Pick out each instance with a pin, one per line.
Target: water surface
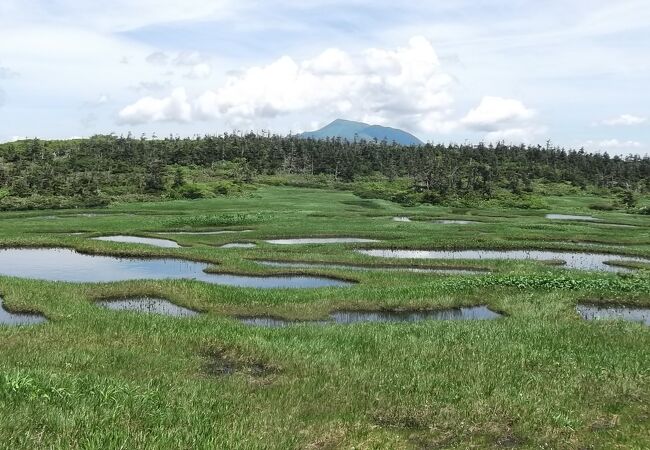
(298, 241)
(571, 217)
(401, 219)
(582, 261)
(352, 317)
(596, 312)
(71, 266)
(204, 232)
(455, 222)
(164, 243)
(148, 305)
(239, 245)
(306, 265)
(9, 318)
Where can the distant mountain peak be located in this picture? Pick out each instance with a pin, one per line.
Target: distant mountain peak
(351, 130)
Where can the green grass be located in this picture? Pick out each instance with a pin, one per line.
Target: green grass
(540, 377)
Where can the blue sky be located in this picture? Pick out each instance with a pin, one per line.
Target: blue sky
(574, 71)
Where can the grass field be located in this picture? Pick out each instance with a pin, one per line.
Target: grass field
(540, 377)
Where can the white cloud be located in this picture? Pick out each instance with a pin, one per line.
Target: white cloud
(495, 113)
(158, 58)
(7, 73)
(116, 15)
(615, 146)
(201, 70)
(3, 98)
(625, 119)
(174, 108)
(405, 87)
(525, 135)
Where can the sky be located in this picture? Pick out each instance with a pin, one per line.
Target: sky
(575, 72)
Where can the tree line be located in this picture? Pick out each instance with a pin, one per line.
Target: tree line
(94, 171)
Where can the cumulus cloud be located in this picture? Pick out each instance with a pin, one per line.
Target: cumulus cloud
(496, 113)
(7, 73)
(626, 120)
(614, 144)
(158, 58)
(201, 70)
(198, 64)
(503, 119)
(174, 108)
(404, 86)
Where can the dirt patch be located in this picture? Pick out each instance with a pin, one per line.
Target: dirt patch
(219, 363)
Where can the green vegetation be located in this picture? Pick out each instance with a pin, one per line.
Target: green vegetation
(541, 377)
(104, 169)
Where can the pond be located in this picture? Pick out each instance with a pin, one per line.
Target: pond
(239, 245)
(147, 305)
(198, 233)
(164, 243)
(10, 318)
(455, 222)
(401, 219)
(300, 241)
(571, 217)
(604, 312)
(352, 317)
(306, 265)
(581, 261)
(71, 266)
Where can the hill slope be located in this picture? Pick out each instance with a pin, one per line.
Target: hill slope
(347, 129)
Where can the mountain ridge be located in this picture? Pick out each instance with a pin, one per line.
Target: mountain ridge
(351, 130)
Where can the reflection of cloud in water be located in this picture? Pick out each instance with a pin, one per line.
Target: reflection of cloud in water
(68, 265)
(582, 261)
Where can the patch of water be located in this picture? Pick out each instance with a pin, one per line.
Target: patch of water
(401, 219)
(571, 217)
(9, 318)
(164, 243)
(239, 245)
(300, 241)
(587, 244)
(455, 222)
(581, 261)
(352, 317)
(71, 266)
(304, 265)
(148, 305)
(596, 312)
(204, 232)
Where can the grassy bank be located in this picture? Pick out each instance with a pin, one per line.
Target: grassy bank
(539, 377)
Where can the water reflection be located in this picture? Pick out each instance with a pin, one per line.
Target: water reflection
(581, 261)
(71, 266)
(352, 317)
(596, 312)
(148, 305)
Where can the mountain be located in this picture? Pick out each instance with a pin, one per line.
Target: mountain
(347, 129)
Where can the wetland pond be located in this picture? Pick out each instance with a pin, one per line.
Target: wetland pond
(163, 243)
(308, 265)
(604, 312)
(10, 318)
(207, 233)
(571, 217)
(239, 245)
(352, 317)
(147, 305)
(455, 222)
(581, 261)
(59, 264)
(300, 241)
